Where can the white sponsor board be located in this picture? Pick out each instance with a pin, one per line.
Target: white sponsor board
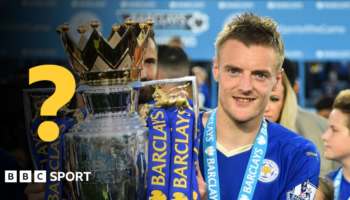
(332, 54)
(228, 5)
(284, 5)
(294, 54)
(138, 4)
(187, 4)
(88, 4)
(332, 5)
(176, 22)
(323, 29)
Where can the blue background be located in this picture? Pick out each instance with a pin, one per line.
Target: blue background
(312, 30)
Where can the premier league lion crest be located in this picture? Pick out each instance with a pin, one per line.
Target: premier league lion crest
(303, 191)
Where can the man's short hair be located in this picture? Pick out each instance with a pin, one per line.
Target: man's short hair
(290, 69)
(326, 186)
(324, 102)
(176, 40)
(251, 29)
(342, 103)
(172, 62)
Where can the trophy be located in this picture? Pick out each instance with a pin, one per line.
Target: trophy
(108, 138)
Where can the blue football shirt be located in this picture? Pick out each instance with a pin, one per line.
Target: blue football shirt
(290, 169)
(344, 193)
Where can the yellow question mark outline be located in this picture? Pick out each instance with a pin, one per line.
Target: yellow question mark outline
(65, 87)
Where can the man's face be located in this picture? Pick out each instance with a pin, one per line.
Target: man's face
(337, 137)
(246, 77)
(149, 71)
(274, 107)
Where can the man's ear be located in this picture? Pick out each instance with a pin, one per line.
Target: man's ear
(296, 87)
(278, 80)
(216, 69)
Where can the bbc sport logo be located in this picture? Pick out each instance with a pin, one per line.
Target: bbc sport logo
(25, 176)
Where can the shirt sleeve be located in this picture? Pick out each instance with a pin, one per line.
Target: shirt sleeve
(302, 178)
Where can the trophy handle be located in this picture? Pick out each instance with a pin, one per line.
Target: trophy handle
(27, 95)
(191, 79)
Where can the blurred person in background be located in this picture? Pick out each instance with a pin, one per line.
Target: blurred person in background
(337, 143)
(325, 190)
(173, 63)
(282, 105)
(331, 86)
(308, 124)
(176, 42)
(324, 105)
(203, 89)
(149, 71)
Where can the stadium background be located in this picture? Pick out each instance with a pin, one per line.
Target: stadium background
(315, 33)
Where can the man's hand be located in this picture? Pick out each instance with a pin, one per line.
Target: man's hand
(35, 191)
(202, 186)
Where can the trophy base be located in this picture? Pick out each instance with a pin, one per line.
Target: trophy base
(117, 160)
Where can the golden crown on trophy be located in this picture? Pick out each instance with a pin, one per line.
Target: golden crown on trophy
(116, 61)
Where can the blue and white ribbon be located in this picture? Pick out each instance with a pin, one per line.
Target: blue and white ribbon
(337, 184)
(211, 162)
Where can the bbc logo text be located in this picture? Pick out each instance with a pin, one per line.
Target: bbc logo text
(40, 176)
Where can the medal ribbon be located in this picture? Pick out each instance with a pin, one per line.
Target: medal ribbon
(211, 162)
(337, 184)
(181, 155)
(159, 150)
(49, 156)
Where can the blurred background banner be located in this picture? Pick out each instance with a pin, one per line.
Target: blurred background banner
(311, 29)
(316, 34)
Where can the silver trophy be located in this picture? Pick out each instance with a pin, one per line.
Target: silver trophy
(111, 142)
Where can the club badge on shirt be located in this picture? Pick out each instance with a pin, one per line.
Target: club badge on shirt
(269, 171)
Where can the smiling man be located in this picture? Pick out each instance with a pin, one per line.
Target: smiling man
(253, 158)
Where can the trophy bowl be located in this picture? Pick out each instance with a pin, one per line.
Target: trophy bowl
(117, 160)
